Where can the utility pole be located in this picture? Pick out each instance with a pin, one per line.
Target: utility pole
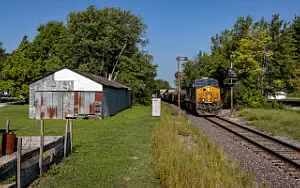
(178, 76)
(232, 74)
(231, 91)
(264, 73)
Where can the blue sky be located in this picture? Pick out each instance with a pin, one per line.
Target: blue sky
(175, 28)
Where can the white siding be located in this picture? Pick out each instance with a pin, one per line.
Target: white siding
(81, 83)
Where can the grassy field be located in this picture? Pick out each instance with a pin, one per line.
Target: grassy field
(114, 152)
(184, 157)
(277, 122)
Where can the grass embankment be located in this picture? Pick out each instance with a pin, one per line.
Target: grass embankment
(276, 122)
(113, 152)
(184, 157)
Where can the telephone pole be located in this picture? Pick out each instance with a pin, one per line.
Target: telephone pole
(232, 75)
(178, 76)
(231, 91)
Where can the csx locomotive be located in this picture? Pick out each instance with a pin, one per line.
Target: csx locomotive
(199, 96)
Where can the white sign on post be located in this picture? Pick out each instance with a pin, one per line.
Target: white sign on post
(156, 107)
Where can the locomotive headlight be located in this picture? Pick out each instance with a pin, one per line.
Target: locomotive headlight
(203, 100)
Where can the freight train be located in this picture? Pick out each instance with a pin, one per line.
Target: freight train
(201, 96)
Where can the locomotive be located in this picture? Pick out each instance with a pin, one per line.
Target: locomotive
(199, 96)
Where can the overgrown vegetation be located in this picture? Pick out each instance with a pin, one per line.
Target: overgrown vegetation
(184, 157)
(113, 152)
(265, 55)
(108, 42)
(277, 122)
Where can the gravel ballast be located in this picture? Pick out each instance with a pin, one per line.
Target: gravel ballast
(258, 163)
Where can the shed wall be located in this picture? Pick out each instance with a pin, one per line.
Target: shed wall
(115, 100)
(58, 105)
(81, 83)
(46, 84)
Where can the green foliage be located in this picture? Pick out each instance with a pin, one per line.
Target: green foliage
(162, 84)
(2, 50)
(138, 76)
(107, 42)
(264, 54)
(295, 26)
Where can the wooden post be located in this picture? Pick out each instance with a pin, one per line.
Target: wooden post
(41, 147)
(178, 84)
(19, 155)
(7, 126)
(71, 136)
(66, 139)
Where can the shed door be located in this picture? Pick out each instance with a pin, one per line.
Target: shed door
(53, 105)
(43, 105)
(68, 103)
(86, 102)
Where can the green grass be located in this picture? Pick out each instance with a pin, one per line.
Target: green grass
(184, 157)
(103, 148)
(276, 122)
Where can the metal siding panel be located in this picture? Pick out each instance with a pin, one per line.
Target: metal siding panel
(92, 102)
(37, 105)
(107, 102)
(76, 101)
(81, 103)
(87, 102)
(46, 105)
(115, 100)
(68, 103)
(57, 105)
(53, 110)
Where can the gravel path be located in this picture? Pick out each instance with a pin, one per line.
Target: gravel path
(252, 160)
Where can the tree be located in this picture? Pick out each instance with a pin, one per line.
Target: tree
(162, 84)
(101, 41)
(138, 74)
(2, 50)
(295, 26)
(282, 64)
(19, 70)
(249, 64)
(99, 35)
(2, 58)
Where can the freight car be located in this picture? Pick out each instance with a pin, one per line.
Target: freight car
(199, 96)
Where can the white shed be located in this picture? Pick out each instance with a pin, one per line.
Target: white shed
(68, 92)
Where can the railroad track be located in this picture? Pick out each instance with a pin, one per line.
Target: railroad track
(288, 155)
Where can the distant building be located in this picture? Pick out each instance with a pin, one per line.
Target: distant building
(68, 92)
(278, 95)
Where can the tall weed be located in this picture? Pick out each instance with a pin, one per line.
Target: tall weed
(201, 165)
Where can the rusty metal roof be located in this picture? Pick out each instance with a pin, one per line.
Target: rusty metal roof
(102, 80)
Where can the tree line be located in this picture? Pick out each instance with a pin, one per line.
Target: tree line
(108, 42)
(265, 55)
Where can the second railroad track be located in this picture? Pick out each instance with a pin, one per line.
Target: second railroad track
(287, 153)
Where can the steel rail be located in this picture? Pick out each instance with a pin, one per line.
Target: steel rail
(261, 134)
(291, 162)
